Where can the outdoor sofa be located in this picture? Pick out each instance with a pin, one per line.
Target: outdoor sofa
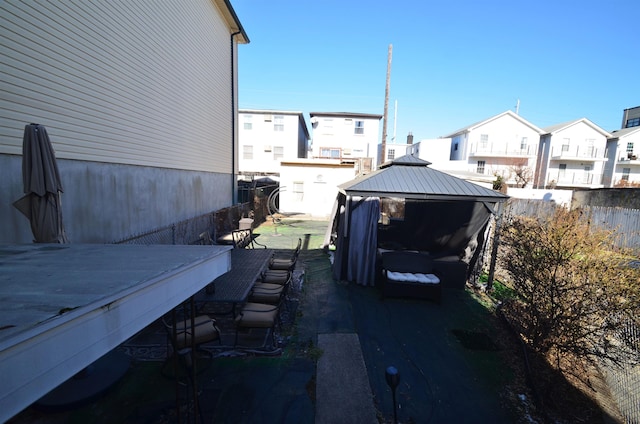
(409, 274)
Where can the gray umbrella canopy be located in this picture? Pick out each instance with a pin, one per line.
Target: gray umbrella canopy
(42, 187)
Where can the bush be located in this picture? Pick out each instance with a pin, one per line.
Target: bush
(574, 291)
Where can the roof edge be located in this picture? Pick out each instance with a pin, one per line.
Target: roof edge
(229, 15)
(473, 126)
(346, 114)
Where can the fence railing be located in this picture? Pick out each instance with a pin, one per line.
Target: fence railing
(574, 178)
(514, 149)
(568, 151)
(625, 223)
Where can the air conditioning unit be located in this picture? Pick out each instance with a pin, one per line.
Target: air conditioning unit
(268, 148)
(268, 118)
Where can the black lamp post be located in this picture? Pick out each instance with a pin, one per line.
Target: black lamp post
(393, 379)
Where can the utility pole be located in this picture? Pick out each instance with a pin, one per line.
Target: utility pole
(386, 106)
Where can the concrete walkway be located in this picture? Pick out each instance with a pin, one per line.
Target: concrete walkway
(343, 393)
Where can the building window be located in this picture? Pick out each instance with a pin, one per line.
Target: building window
(523, 143)
(625, 174)
(565, 144)
(359, 128)
(590, 146)
(481, 165)
(248, 124)
(391, 154)
(298, 191)
(278, 152)
(278, 123)
(586, 178)
(484, 140)
(247, 152)
(330, 152)
(562, 169)
(455, 147)
(629, 147)
(633, 122)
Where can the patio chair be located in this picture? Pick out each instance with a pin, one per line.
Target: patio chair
(285, 262)
(245, 239)
(275, 276)
(258, 316)
(273, 293)
(182, 337)
(286, 255)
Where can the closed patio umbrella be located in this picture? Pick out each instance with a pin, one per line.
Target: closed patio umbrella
(42, 187)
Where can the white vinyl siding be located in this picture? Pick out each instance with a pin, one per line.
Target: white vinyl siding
(119, 82)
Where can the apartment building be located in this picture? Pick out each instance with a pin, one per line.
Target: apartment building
(572, 155)
(351, 137)
(504, 144)
(623, 152)
(631, 117)
(267, 137)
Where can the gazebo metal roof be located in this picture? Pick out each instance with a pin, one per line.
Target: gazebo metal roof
(411, 178)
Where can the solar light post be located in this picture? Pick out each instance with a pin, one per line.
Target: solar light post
(393, 379)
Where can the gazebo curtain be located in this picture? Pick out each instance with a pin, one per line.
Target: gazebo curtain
(364, 214)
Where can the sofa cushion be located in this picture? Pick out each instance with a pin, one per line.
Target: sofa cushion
(410, 277)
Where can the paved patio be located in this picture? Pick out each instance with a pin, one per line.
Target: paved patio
(443, 377)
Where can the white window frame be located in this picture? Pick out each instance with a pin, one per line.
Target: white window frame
(248, 122)
(562, 169)
(625, 174)
(330, 152)
(484, 141)
(359, 128)
(278, 123)
(590, 146)
(298, 191)
(247, 152)
(481, 167)
(278, 152)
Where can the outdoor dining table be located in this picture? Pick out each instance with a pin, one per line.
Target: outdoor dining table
(234, 286)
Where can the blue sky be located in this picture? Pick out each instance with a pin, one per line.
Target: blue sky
(454, 62)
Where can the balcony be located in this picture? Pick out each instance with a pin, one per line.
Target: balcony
(578, 178)
(629, 159)
(578, 153)
(507, 150)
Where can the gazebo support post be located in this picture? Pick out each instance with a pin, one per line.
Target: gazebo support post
(494, 246)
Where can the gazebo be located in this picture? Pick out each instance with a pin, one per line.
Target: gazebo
(407, 206)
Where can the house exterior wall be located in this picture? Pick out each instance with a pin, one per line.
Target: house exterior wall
(623, 164)
(576, 156)
(267, 137)
(459, 146)
(437, 151)
(311, 186)
(542, 162)
(396, 150)
(137, 99)
(335, 136)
